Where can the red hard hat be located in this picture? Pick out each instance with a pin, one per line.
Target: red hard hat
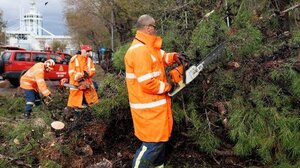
(85, 47)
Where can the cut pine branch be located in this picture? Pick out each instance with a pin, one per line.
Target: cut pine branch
(285, 11)
(15, 161)
(224, 153)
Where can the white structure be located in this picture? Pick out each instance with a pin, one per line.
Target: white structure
(31, 35)
(33, 20)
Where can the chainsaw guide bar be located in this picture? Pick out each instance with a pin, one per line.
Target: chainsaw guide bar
(193, 71)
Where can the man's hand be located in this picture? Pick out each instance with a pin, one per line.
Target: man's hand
(63, 81)
(47, 100)
(179, 58)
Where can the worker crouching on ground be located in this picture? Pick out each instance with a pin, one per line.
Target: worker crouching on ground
(81, 69)
(32, 82)
(147, 90)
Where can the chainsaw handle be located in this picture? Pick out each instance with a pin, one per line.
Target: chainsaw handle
(185, 63)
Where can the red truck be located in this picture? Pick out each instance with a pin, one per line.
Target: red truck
(16, 61)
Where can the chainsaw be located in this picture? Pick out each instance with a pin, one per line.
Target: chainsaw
(81, 86)
(70, 86)
(184, 74)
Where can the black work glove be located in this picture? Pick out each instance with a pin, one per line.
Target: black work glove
(81, 79)
(85, 74)
(173, 86)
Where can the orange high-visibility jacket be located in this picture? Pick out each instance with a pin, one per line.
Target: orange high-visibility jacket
(147, 88)
(77, 65)
(33, 79)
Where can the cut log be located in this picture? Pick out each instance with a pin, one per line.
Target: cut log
(57, 125)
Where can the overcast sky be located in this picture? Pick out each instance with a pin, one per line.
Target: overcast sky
(53, 19)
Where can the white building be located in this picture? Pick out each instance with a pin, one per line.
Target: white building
(31, 35)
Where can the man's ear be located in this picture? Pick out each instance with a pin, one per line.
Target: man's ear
(148, 29)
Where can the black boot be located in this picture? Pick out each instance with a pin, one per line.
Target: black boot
(27, 115)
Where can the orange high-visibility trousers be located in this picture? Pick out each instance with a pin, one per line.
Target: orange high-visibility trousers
(76, 97)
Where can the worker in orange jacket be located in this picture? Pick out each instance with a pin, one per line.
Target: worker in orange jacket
(81, 69)
(147, 90)
(32, 82)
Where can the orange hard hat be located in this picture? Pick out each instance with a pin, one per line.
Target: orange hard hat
(85, 47)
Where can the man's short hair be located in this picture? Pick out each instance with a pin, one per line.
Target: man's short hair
(144, 20)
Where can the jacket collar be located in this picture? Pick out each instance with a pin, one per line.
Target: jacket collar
(149, 40)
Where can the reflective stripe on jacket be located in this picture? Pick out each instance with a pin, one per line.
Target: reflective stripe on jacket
(34, 79)
(147, 88)
(78, 64)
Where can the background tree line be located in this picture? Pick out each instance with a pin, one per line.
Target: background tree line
(91, 21)
(2, 26)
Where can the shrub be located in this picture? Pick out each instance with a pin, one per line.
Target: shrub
(113, 98)
(118, 58)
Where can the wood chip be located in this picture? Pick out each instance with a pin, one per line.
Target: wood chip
(16, 141)
(233, 65)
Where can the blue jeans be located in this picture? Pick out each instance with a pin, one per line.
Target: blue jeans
(150, 154)
(32, 98)
(95, 85)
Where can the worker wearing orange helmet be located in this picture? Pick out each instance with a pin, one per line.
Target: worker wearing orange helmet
(32, 82)
(147, 90)
(81, 69)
